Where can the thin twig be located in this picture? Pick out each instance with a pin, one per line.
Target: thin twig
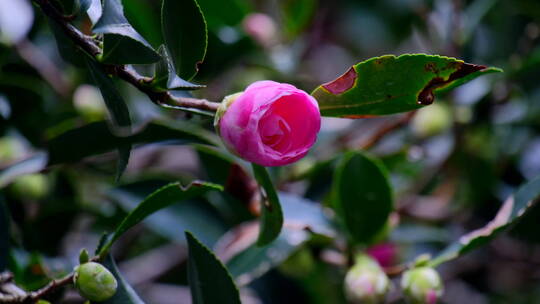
(88, 44)
(12, 294)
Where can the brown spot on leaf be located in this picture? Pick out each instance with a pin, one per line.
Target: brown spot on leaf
(426, 96)
(431, 67)
(342, 83)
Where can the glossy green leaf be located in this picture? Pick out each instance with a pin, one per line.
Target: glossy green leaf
(33, 164)
(117, 108)
(124, 293)
(115, 103)
(271, 213)
(246, 261)
(97, 138)
(144, 15)
(185, 35)
(195, 215)
(513, 209)
(122, 44)
(209, 280)
(66, 47)
(158, 200)
(165, 77)
(390, 84)
(362, 196)
(220, 13)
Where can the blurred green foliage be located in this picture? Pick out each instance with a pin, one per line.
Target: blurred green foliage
(446, 180)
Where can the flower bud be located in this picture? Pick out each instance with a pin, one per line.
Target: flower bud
(366, 281)
(270, 123)
(94, 282)
(422, 285)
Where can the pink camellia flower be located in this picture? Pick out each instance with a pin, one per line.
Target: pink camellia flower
(270, 123)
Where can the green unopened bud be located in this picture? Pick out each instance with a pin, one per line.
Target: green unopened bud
(366, 281)
(94, 282)
(422, 285)
(431, 120)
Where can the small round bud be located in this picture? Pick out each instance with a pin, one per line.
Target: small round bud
(422, 285)
(431, 120)
(94, 282)
(366, 281)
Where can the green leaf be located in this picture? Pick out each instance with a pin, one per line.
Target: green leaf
(303, 213)
(115, 103)
(158, 200)
(195, 215)
(209, 280)
(66, 47)
(33, 164)
(185, 35)
(220, 13)
(96, 138)
(362, 196)
(121, 42)
(271, 213)
(145, 16)
(117, 108)
(246, 261)
(390, 84)
(513, 209)
(165, 77)
(249, 263)
(124, 293)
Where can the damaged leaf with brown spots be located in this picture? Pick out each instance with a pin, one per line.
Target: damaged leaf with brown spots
(390, 84)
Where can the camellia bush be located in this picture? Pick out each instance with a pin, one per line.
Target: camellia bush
(201, 151)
